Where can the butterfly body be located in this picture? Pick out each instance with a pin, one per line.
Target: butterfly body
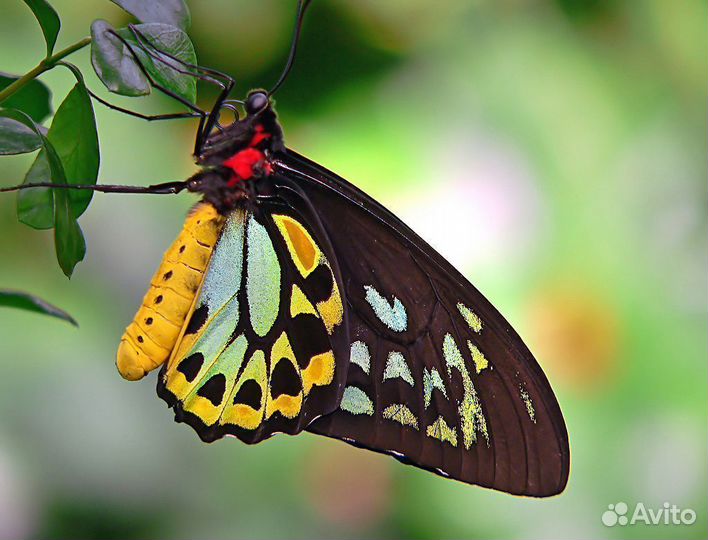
(150, 338)
(320, 310)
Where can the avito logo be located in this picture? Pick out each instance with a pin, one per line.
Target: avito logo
(668, 514)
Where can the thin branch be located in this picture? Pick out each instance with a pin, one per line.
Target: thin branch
(44, 65)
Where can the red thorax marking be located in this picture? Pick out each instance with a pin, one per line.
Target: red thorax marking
(259, 136)
(243, 162)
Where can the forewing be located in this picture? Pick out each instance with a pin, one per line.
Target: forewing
(437, 377)
(257, 355)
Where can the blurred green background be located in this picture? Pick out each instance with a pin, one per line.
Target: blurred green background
(554, 151)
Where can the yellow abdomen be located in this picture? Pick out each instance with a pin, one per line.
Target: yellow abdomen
(149, 339)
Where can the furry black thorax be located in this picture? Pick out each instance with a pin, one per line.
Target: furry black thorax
(212, 181)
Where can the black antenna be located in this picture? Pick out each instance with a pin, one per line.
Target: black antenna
(207, 120)
(301, 8)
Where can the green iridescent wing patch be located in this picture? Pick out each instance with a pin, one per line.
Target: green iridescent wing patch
(257, 355)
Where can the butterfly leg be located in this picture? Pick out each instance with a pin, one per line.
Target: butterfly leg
(217, 77)
(224, 81)
(148, 117)
(191, 106)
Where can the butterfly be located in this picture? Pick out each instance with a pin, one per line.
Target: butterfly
(291, 301)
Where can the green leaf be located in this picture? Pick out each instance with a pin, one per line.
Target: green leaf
(35, 206)
(114, 64)
(173, 12)
(120, 69)
(74, 136)
(75, 139)
(48, 20)
(69, 242)
(34, 98)
(68, 239)
(171, 40)
(16, 138)
(28, 302)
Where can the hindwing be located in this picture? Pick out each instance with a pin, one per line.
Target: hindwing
(437, 377)
(264, 348)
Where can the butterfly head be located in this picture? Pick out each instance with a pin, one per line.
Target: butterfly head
(257, 101)
(258, 129)
(239, 154)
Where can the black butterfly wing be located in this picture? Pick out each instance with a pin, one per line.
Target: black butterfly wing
(437, 377)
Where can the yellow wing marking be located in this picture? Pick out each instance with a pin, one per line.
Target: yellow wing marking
(307, 256)
(209, 384)
(203, 408)
(149, 340)
(241, 414)
(470, 408)
(215, 352)
(299, 303)
(303, 249)
(289, 406)
(441, 431)
(480, 361)
(398, 412)
(471, 318)
(331, 310)
(230, 360)
(319, 372)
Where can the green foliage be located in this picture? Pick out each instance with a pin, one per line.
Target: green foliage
(170, 12)
(34, 98)
(127, 70)
(173, 41)
(28, 302)
(48, 20)
(17, 138)
(75, 139)
(35, 206)
(114, 64)
(68, 239)
(68, 153)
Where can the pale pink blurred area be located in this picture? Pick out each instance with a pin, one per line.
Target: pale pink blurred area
(480, 204)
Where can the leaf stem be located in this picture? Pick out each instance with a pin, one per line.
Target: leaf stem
(44, 65)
